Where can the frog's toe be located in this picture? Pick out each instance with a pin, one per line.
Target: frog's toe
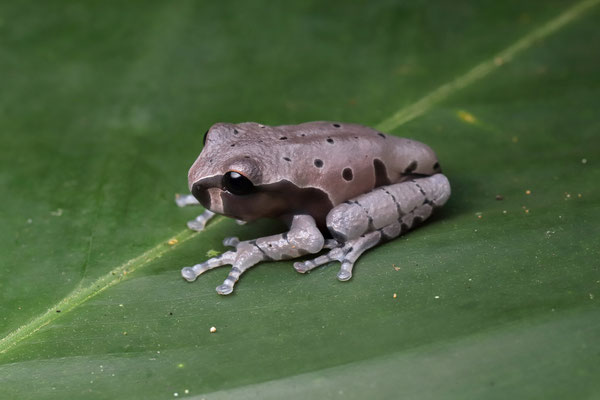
(224, 289)
(196, 225)
(231, 241)
(302, 266)
(344, 276)
(335, 254)
(188, 274)
(331, 244)
(183, 200)
(191, 273)
(345, 271)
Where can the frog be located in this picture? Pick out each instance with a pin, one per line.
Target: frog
(340, 188)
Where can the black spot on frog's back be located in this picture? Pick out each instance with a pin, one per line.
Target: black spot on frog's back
(347, 174)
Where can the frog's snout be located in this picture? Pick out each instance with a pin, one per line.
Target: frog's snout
(200, 192)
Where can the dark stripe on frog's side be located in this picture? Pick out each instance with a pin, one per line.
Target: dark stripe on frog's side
(274, 200)
(381, 176)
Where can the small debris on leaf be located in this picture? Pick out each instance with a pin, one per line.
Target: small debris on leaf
(172, 242)
(212, 253)
(395, 295)
(466, 116)
(528, 192)
(499, 197)
(213, 329)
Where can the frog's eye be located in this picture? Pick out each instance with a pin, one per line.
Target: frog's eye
(237, 183)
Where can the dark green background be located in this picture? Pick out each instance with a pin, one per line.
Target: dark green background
(102, 110)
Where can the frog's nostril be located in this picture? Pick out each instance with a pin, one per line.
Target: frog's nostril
(200, 192)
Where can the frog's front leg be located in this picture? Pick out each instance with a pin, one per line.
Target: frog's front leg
(303, 238)
(184, 200)
(199, 223)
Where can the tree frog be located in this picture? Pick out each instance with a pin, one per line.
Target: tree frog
(338, 186)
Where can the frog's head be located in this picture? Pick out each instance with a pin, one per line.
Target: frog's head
(231, 175)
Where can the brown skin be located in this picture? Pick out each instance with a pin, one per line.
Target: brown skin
(307, 168)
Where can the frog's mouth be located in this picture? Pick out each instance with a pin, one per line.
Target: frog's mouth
(211, 194)
(269, 200)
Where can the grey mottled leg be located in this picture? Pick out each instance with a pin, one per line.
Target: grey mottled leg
(200, 221)
(407, 202)
(183, 200)
(382, 214)
(347, 255)
(303, 238)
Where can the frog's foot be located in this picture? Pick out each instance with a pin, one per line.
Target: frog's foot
(303, 237)
(347, 254)
(191, 273)
(240, 260)
(200, 221)
(331, 244)
(183, 200)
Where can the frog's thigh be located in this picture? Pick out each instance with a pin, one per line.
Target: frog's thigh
(381, 214)
(405, 203)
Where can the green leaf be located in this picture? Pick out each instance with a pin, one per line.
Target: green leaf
(102, 110)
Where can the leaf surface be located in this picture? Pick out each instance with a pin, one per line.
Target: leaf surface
(103, 109)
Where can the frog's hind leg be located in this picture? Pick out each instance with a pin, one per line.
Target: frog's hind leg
(346, 254)
(382, 214)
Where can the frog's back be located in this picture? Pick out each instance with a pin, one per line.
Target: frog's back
(346, 160)
(310, 167)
